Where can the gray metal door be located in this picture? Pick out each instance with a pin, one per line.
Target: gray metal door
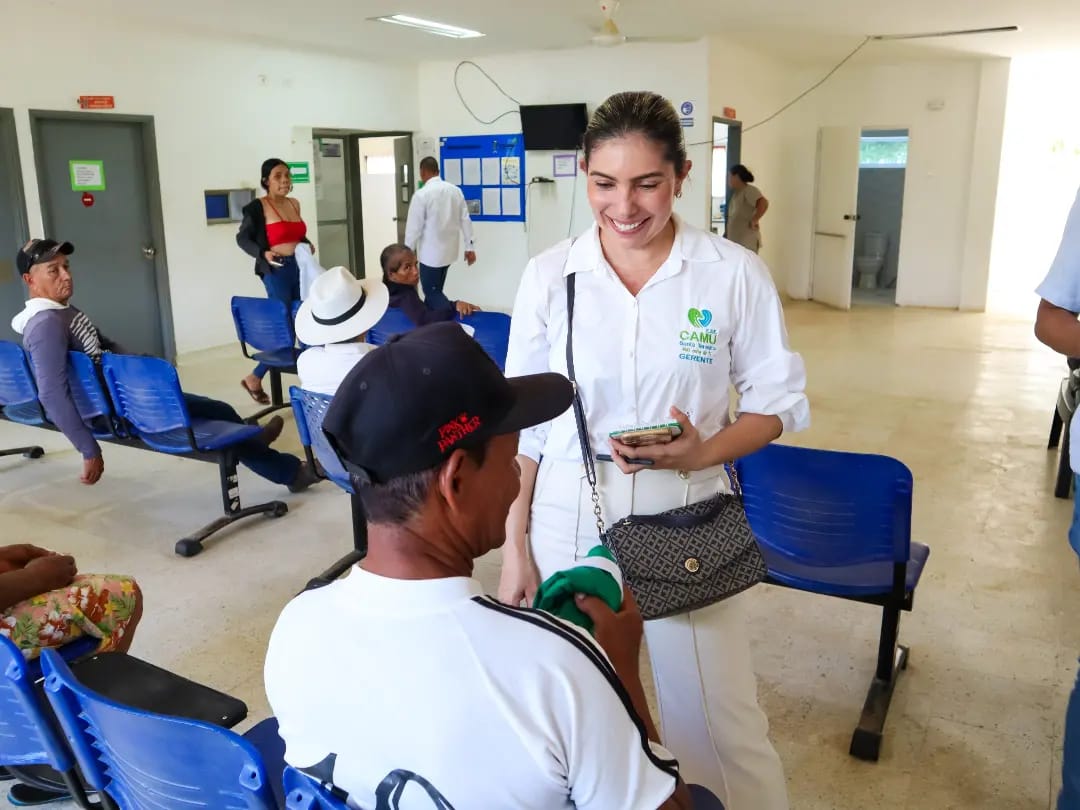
(12, 226)
(114, 264)
(406, 182)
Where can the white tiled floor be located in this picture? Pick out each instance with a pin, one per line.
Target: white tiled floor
(963, 399)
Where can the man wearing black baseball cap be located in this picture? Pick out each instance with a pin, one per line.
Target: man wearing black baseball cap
(404, 672)
(50, 327)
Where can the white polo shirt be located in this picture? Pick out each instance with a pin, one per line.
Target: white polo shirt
(494, 707)
(1061, 287)
(437, 215)
(322, 368)
(710, 318)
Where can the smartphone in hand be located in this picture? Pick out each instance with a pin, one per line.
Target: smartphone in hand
(650, 434)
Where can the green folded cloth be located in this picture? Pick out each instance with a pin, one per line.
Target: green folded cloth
(595, 575)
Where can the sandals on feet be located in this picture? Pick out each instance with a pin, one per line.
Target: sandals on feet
(256, 394)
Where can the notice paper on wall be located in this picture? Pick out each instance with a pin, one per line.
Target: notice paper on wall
(492, 202)
(470, 172)
(511, 171)
(452, 171)
(491, 171)
(87, 175)
(511, 202)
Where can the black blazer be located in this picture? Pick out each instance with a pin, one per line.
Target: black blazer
(252, 236)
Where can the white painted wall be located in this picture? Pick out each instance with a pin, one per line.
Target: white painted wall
(678, 71)
(945, 157)
(216, 120)
(757, 85)
(1040, 172)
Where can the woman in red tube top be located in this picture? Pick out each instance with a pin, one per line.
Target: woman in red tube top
(270, 232)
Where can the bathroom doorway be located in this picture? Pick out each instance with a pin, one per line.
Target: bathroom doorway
(726, 152)
(882, 171)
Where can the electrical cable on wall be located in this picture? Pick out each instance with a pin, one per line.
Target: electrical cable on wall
(801, 96)
(573, 194)
(465, 104)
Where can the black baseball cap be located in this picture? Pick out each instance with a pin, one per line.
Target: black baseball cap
(406, 406)
(37, 251)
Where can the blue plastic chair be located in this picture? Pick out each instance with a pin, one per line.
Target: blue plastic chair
(139, 759)
(839, 524)
(266, 325)
(309, 409)
(90, 398)
(146, 393)
(27, 737)
(393, 322)
(302, 792)
(18, 391)
(492, 332)
(18, 395)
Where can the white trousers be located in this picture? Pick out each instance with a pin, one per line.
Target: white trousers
(705, 685)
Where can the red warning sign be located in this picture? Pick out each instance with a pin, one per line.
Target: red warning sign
(87, 199)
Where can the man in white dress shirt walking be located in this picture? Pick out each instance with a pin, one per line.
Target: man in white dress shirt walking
(437, 216)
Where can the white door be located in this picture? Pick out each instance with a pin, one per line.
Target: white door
(835, 215)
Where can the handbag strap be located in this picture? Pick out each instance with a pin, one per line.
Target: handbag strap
(587, 455)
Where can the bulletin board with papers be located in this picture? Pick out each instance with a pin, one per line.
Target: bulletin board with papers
(489, 170)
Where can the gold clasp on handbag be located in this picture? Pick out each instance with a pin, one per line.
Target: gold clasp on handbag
(692, 565)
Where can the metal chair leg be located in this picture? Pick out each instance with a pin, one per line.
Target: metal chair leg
(359, 521)
(1055, 430)
(27, 452)
(892, 658)
(230, 498)
(1063, 485)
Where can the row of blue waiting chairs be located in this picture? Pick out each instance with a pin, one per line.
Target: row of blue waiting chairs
(264, 327)
(139, 405)
(118, 733)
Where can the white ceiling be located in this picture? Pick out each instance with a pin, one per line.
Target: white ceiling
(797, 30)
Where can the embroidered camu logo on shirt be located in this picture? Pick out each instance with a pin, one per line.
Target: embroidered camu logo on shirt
(698, 345)
(453, 432)
(700, 317)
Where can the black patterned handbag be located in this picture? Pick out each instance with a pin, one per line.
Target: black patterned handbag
(682, 559)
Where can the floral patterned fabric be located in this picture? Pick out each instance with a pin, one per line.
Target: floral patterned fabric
(96, 605)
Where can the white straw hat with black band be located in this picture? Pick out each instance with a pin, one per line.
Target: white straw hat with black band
(340, 307)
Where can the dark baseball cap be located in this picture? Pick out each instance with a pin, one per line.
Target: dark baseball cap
(406, 406)
(37, 251)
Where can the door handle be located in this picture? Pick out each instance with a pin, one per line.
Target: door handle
(149, 252)
(853, 217)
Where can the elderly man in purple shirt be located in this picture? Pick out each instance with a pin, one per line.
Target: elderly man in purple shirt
(50, 327)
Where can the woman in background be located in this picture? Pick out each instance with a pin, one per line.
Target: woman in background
(271, 230)
(745, 209)
(401, 274)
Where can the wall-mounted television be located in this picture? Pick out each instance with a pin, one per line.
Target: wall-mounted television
(553, 126)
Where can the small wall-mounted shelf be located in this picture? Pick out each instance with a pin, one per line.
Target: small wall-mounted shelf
(226, 205)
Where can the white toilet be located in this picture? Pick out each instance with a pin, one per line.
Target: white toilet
(869, 263)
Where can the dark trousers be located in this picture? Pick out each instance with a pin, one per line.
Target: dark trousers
(284, 285)
(432, 280)
(266, 462)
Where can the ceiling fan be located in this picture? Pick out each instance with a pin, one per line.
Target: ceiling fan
(609, 34)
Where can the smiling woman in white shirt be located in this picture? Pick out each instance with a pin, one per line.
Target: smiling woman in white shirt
(667, 318)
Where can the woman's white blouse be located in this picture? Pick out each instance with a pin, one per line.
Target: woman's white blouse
(709, 319)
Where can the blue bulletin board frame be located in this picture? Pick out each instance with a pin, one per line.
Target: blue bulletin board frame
(509, 150)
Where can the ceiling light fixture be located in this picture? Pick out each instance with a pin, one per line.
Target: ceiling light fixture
(430, 27)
